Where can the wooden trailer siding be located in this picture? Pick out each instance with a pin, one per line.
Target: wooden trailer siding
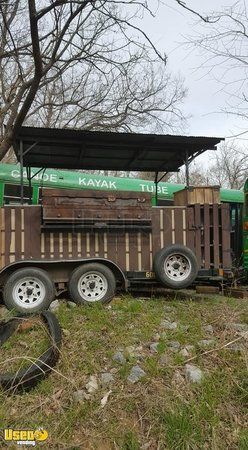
(2, 228)
(226, 236)
(209, 235)
(20, 233)
(203, 228)
(132, 251)
(204, 195)
(169, 226)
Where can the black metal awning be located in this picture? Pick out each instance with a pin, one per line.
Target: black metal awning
(94, 150)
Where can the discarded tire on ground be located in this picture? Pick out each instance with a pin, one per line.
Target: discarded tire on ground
(92, 283)
(176, 266)
(28, 377)
(29, 290)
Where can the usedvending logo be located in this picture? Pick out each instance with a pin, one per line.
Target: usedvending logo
(25, 437)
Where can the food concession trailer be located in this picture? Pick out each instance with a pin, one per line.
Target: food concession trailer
(93, 242)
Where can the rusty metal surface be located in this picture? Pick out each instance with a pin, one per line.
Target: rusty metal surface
(81, 149)
(80, 206)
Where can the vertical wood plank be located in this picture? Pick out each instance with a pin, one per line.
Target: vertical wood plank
(111, 246)
(161, 227)
(105, 244)
(18, 234)
(65, 245)
(22, 234)
(173, 235)
(184, 226)
(145, 251)
(198, 234)
(74, 245)
(2, 230)
(121, 250)
(226, 241)
(133, 245)
(206, 209)
(56, 245)
(12, 235)
(101, 244)
(216, 241)
(179, 226)
(190, 221)
(70, 245)
(167, 227)
(127, 251)
(151, 251)
(92, 244)
(32, 231)
(155, 230)
(47, 245)
(83, 245)
(7, 234)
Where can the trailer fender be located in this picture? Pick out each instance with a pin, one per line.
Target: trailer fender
(68, 266)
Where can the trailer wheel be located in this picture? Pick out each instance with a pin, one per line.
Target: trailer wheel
(176, 266)
(92, 283)
(29, 290)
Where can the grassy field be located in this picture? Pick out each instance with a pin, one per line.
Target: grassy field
(161, 411)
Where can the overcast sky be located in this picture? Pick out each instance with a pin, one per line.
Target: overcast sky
(168, 30)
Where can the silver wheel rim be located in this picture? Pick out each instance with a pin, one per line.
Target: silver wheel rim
(177, 267)
(92, 286)
(29, 292)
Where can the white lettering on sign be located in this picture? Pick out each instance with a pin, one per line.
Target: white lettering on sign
(90, 182)
(102, 184)
(152, 189)
(52, 177)
(15, 174)
(165, 190)
(82, 182)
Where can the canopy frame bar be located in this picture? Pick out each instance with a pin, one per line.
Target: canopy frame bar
(80, 149)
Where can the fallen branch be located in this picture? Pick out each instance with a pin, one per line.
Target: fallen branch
(216, 349)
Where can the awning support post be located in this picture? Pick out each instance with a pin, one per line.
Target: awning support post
(156, 187)
(29, 184)
(21, 167)
(22, 154)
(187, 167)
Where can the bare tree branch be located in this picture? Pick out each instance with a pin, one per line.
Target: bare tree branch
(223, 48)
(206, 19)
(82, 64)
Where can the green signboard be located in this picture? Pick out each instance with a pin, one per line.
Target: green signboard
(79, 180)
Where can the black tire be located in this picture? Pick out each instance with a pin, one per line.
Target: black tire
(175, 266)
(28, 377)
(88, 295)
(7, 329)
(20, 301)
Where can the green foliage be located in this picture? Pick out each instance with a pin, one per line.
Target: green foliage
(181, 432)
(173, 416)
(130, 441)
(243, 440)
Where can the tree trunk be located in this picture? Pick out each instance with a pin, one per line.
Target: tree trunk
(6, 143)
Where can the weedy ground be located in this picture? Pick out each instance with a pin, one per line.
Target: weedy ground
(161, 411)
